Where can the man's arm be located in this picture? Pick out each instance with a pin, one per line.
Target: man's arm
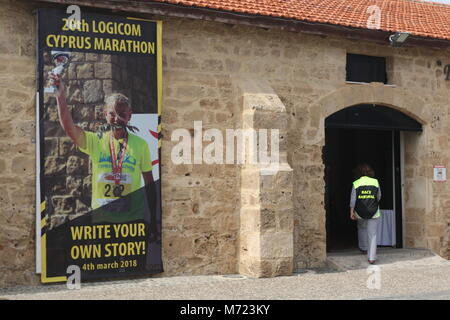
(151, 196)
(65, 118)
(151, 188)
(148, 178)
(352, 214)
(352, 204)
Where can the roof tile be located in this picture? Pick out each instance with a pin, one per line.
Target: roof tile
(420, 18)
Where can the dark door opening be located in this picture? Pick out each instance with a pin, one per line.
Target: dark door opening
(363, 134)
(345, 149)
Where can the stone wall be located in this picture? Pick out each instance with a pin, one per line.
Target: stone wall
(201, 203)
(132, 75)
(17, 147)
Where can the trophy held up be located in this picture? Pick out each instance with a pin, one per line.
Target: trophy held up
(61, 60)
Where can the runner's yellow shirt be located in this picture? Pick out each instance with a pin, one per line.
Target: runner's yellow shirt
(137, 160)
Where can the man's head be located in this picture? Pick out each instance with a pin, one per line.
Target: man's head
(117, 109)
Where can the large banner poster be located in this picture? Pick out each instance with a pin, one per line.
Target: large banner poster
(99, 107)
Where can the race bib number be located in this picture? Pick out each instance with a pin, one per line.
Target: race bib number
(108, 190)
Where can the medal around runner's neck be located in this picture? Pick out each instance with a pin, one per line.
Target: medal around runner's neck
(116, 163)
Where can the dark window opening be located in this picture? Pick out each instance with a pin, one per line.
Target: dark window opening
(361, 68)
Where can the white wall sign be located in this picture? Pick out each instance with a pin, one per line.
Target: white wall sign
(440, 173)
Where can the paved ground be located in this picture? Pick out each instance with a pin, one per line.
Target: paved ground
(399, 274)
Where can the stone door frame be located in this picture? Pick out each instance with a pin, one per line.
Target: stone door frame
(412, 106)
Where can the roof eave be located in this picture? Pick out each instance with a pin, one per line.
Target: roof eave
(316, 28)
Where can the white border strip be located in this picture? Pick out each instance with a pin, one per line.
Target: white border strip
(402, 170)
(38, 190)
(395, 195)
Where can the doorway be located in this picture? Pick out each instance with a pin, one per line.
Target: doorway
(364, 134)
